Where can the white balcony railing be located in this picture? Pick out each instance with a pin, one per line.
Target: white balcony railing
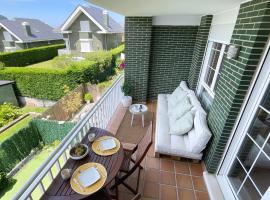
(98, 116)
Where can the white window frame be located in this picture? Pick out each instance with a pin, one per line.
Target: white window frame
(210, 89)
(85, 26)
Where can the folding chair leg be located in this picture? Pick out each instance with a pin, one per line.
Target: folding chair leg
(130, 188)
(132, 160)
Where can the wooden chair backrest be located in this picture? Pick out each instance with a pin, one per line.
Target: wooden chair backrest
(144, 145)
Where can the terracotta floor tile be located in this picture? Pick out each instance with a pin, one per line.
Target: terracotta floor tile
(202, 195)
(198, 183)
(167, 165)
(152, 175)
(151, 190)
(183, 181)
(185, 194)
(125, 196)
(182, 167)
(167, 178)
(152, 162)
(151, 151)
(196, 169)
(168, 192)
(146, 198)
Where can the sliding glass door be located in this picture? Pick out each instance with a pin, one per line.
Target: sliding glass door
(245, 171)
(249, 173)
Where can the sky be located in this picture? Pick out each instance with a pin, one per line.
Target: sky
(52, 12)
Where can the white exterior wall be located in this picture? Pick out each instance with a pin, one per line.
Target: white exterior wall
(223, 25)
(177, 20)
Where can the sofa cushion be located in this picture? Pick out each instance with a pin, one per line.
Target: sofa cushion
(183, 85)
(180, 109)
(182, 125)
(201, 134)
(195, 102)
(175, 97)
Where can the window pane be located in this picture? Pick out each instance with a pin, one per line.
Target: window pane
(210, 77)
(260, 174)
(236, 175)
(84, 25)
(260, 127)
(248, 152)
(215, 59)
(248, 191)
(217, 46)
(266, 101)
(266, 148)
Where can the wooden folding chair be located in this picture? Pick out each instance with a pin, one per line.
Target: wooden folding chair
(139, 151)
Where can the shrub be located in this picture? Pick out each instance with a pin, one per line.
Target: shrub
(26, 57)
(4, 181)
(2, 65)
(127, 88)
(8, 113)
(88, 97)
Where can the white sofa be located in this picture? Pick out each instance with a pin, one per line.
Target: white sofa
(189, 145)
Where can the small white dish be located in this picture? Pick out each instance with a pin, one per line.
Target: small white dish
(91, 137)
(79, 157)
(89, 176)
(107, 144)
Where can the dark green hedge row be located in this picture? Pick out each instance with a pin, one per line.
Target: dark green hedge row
(19, 146)
(26, 57)
(49, 83)
(51, 131)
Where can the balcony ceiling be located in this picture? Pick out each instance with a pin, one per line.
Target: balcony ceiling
(166, 7)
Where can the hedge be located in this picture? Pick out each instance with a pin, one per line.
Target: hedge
(48, 83)
(51, 131)
(19, 145)
(26, 57)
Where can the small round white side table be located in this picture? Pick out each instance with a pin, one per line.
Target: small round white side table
(138, 109)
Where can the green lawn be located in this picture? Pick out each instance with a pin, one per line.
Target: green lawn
(46, 64)
(13, 129)
(26, 172)
(28, 109)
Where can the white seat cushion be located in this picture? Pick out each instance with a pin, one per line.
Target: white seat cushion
(201, 134)
(195, 102)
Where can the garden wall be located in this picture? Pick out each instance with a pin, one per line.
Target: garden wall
(19, 146)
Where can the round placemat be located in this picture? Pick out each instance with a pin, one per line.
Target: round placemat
(77, 187)
(96, 146)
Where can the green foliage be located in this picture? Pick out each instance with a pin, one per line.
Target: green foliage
(2, 65)
(4, 181)
(127, 88)
(8, 113)
(19, 145)
(62, 61)
(88, 97)
(49, 83)
(50, 131)
(26, 57)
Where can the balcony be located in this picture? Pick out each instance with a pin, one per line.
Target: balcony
(161, 178)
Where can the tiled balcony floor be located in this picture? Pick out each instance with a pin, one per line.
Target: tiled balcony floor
(164, 178)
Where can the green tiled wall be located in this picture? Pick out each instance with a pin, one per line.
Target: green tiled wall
(171, 55)
(138, 32)
(250, 33)
(198, 54)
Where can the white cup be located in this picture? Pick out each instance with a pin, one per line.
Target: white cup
(65, 174)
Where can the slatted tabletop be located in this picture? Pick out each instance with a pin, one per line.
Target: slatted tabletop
(61, 189)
